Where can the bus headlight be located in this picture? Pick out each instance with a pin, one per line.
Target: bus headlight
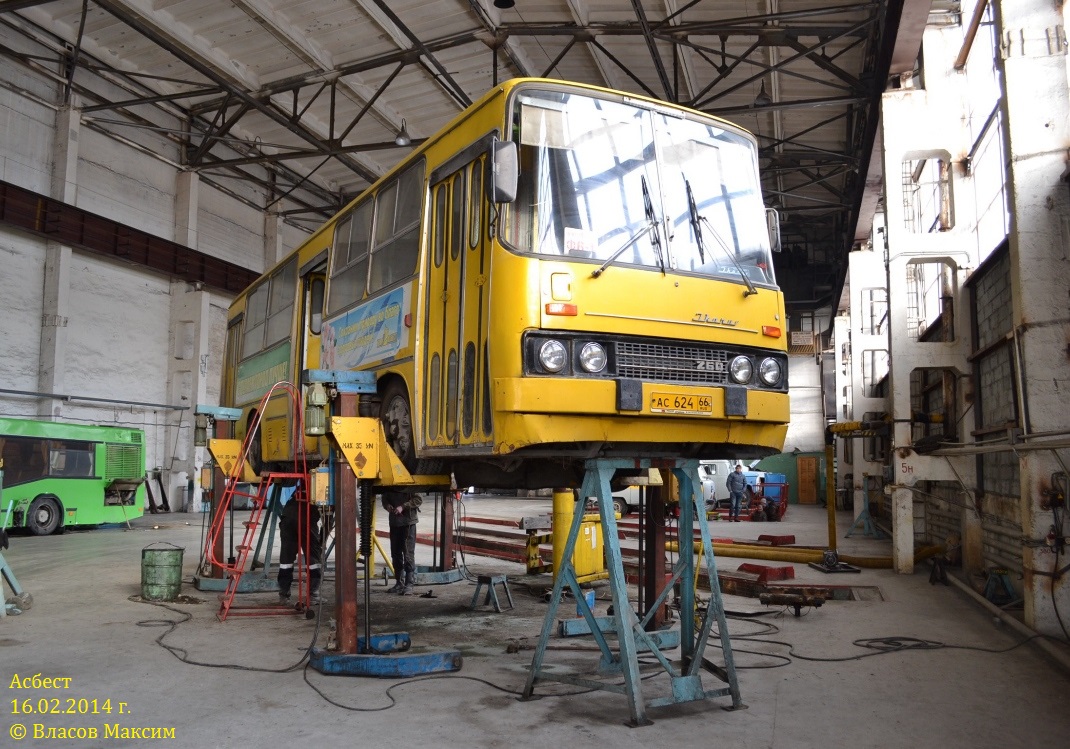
(552, 355)
(593, 357)
(769, 372)
(741, 369)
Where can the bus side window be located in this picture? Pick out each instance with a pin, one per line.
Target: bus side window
(255, 318)
(70, 459)
(24, 459)
(349, 273)
(280, 311)
(397, 230)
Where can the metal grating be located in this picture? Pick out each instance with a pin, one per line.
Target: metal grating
(124, 462)
(656, 362)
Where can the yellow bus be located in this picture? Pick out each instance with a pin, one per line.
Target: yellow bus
(563, 272)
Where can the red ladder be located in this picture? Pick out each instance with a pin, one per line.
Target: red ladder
(237, 569)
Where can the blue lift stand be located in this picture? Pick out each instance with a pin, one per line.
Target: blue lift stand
(206, 419)
(684, 676)
(362, 441)
(20, 600)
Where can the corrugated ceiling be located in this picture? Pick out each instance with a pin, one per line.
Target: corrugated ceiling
(297, 104)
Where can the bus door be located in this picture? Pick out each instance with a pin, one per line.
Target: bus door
(313, 285)
(445, 302)
(474, 422)
(313, 280)
(455, 352)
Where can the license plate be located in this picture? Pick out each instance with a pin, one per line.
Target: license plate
(679, 403)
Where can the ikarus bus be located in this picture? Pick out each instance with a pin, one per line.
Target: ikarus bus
(563, 272)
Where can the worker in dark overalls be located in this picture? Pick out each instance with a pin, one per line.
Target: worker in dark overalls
(289, 524)
(404, 512)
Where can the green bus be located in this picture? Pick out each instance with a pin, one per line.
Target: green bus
(55, 475)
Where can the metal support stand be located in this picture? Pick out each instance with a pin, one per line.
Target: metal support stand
(20, 600)
(864, 521)
(685, 677)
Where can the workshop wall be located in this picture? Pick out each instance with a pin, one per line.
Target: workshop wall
(117, 319)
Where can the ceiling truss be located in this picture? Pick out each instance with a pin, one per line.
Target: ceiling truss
(812, 143)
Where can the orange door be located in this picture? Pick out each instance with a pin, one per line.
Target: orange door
(807, 468)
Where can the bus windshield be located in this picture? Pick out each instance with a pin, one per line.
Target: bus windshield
(591, 169)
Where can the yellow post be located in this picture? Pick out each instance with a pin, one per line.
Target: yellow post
(830, 487)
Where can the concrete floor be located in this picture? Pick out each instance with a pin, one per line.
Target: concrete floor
(85, 627)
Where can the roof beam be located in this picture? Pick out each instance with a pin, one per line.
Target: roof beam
(393, 25)
(154, 26)
(652, 47)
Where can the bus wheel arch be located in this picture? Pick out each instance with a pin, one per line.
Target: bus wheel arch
(45, 515)
(395, 413)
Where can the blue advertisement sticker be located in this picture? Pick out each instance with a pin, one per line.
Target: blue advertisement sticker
(367, 334)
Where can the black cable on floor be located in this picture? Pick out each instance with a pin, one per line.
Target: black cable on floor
(183, 655)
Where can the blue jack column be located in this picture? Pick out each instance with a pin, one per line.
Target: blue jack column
(632, 634)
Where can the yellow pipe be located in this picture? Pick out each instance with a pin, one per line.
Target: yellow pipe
(795, 555)
(830, 490)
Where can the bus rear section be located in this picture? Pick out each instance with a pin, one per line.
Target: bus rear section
(58, 476)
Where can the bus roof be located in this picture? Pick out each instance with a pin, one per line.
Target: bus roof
(502, 89)
(63, 430)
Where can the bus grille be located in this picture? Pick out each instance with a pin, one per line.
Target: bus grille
(124, 462)
(656, 362)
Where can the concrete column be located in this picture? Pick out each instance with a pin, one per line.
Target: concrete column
(925, 126)
(187, 367)
(973, 562)
(55, 294)
(187, 198)
(274, 250)
(903, 530)
(1037, 116)
(866, 271)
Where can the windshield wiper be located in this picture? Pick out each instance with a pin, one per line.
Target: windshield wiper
(651, 225)
(656, 239)
(697, 222)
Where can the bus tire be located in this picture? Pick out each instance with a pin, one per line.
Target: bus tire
(396, 415)
(620, 506)
(43, 517)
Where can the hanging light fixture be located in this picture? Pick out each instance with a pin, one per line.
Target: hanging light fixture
(763, 99)
(504, 4)
(403, 138)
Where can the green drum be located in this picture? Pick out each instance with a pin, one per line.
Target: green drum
(161, 572)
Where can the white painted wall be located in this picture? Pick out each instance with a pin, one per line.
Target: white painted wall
(118, 322)
(806, 432)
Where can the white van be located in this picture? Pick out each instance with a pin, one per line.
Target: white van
(712, 474)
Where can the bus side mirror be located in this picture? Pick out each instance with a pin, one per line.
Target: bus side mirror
(503, 174)
(315, 306)
(772, 222)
